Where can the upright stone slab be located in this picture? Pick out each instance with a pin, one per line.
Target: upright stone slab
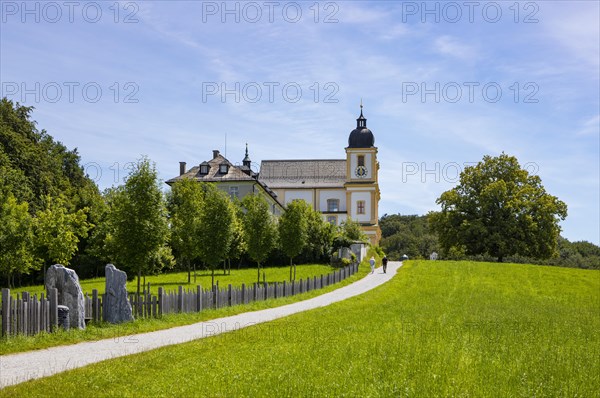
(118, 308)
(66, 281)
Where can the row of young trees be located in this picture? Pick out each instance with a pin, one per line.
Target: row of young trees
(199, 223)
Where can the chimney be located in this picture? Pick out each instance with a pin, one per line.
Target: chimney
(215, 153)
(181, 168)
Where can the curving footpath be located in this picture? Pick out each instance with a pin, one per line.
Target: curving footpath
(17, 368)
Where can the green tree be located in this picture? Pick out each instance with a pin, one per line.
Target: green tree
(321, 235)
(352, 230)
(138, 220)
(347, 234)
(33, 166)
(185, 209)
(16, 237)
(58, 231)
(238, 245)
(499, 209)
(215, 227)
(407, 234)
(260, 229)
(293, 231)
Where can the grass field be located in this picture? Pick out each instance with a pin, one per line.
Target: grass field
(104, 330)
(171, 281)
(437, 329)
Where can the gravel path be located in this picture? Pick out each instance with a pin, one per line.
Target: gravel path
(17, 368)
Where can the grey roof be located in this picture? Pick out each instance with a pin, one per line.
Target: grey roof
(309, 173)
(235, 173)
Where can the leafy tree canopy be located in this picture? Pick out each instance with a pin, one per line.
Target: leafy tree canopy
(16, 237)
(137, 217)
(260, 229)
(216, 226)
(33, 165)
(499, 209)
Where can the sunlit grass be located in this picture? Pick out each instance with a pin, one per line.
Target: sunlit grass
(170, 281)
(437, 329)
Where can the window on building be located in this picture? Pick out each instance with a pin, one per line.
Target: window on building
(360, 207)
(223, 168)
(361, 160)
(332, 220)
(203, 169)
(234, 192)
(333, 205)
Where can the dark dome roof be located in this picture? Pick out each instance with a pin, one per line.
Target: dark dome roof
(361, 136)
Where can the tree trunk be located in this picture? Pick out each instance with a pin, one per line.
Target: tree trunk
(213, 277)
(224, 267)
(189, 270)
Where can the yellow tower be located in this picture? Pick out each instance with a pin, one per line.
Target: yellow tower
(362, 187)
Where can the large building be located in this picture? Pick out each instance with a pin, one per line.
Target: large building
(237, 181)
(338, 188)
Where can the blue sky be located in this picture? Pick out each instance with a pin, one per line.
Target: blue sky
(443, 84)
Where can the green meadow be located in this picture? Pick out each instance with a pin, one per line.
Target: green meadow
(170, 281)
(440, 328)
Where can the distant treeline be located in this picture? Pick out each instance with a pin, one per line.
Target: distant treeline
(411, 235)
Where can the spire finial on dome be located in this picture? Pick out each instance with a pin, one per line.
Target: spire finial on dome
(361, 122)
(246, 161)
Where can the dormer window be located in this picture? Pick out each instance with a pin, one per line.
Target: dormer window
(223, 168)
(204, 169)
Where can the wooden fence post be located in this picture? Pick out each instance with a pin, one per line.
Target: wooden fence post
(215, 296)
(95, 316)
(198, 298)
(229, 295)
(6, 312)
(243, 293)
(53, 295)
(160, 301)
(180, 299)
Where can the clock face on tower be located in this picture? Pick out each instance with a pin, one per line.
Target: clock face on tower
(361, 171)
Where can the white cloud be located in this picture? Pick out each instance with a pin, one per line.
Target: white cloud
(590, 126)
(448, 45)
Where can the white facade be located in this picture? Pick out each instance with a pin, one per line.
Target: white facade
(338, 194)
(306, 195)
(364, 197)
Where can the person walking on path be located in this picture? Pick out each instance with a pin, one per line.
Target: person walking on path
(372, 262)
(384, 261)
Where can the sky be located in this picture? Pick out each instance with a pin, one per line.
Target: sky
(442, 84)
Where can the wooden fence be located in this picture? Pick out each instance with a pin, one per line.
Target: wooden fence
(29, 314)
